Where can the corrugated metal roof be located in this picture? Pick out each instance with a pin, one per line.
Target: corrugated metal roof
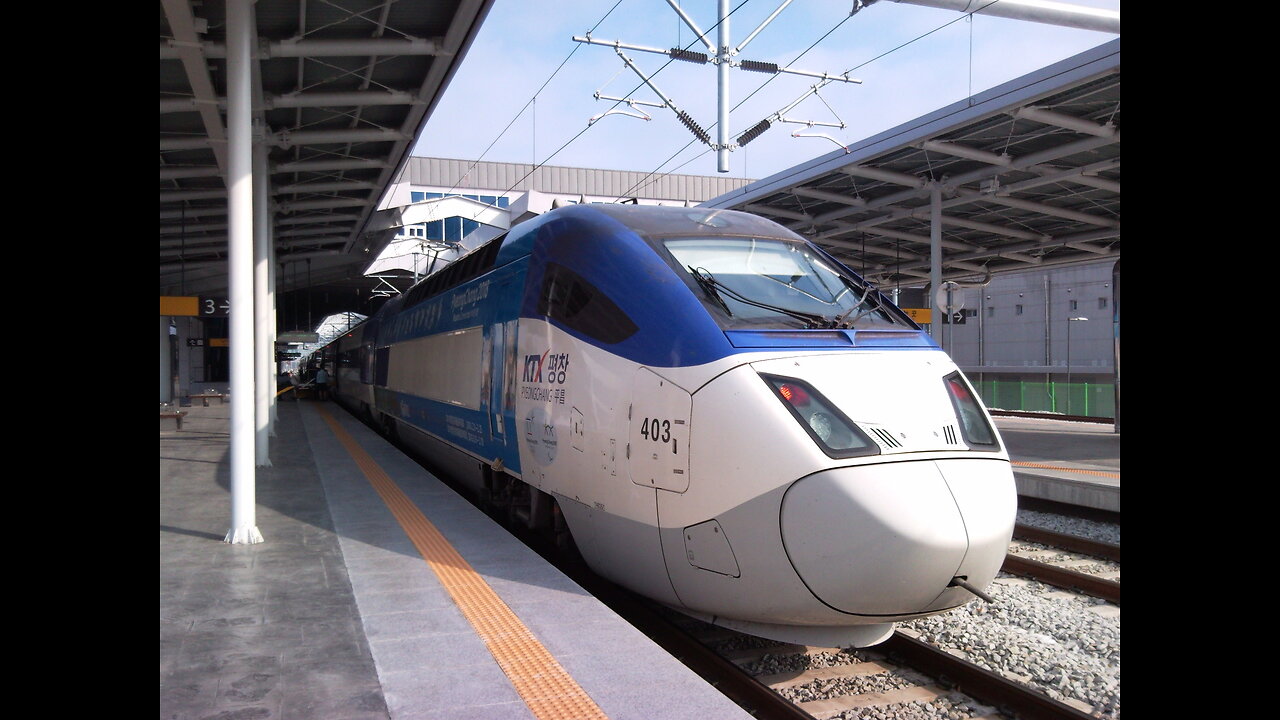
(340, 92)
(1029, 176)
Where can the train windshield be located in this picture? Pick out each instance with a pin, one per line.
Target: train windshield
(766, 282)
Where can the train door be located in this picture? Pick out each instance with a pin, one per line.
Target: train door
(499, 347)
(659, 434)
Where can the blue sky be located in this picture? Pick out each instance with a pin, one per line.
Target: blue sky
(521, 43)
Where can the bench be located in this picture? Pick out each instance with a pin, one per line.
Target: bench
(176, 414)
(204, 397)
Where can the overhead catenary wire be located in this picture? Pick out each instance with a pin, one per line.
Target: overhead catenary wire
(802, 54)
(649, 178)
(617, 103)
(754, 128)
(642, 182)
(921, 37)
(531, 99)
(757, 129)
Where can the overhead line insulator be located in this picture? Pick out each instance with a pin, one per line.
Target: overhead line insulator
(756, 131)
(688, 56)
(757, 66)
(694, 127)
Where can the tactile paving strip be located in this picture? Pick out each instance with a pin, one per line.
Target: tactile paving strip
(545, 686)
(1042, 466)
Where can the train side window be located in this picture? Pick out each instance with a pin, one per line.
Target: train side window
(566, 296)
(472, 265)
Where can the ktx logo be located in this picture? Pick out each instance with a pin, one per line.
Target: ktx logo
(533, 367)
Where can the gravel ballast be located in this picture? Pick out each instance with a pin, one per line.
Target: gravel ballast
(1091, 529)
(1064, 644)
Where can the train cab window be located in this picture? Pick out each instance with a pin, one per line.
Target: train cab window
(775, 282)
(566, 296)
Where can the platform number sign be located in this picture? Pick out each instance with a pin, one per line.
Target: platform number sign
(214, 306)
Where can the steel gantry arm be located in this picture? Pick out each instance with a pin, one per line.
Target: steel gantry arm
(721, 53)
(186, 45)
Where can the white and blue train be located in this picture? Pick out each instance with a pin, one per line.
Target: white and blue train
(725, 418)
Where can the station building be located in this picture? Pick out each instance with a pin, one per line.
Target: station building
(1045, 340)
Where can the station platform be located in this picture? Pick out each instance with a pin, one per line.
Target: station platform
(378, 593)
(1077, 463)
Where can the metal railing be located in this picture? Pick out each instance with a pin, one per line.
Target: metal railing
(1090, 399)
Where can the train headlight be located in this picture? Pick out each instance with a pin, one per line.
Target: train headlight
(822, 425)
(835, 434)
(973, 424)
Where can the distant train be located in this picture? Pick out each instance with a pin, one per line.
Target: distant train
(725, 418)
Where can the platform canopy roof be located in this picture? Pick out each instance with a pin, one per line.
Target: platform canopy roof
(1029, 174)
(341, 91)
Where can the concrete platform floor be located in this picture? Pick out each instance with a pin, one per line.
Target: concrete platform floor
(254, 631)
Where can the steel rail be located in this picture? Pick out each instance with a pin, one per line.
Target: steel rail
(983, 685)
(754, 696)
(1108, 590)
(1074, 543)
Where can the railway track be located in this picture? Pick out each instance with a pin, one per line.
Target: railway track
(903, 678)
(913, 674)
(1065, 561)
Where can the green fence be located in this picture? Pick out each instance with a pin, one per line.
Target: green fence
(1077, 398)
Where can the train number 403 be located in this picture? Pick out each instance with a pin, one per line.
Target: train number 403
(658, 431)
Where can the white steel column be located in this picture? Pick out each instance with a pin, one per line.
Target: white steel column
(271, 298)
(262, 318)
(244, 527)
(1041, 11)
(935, 257)
(722, 75)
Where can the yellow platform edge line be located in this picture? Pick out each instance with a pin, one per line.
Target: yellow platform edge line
(542, 683)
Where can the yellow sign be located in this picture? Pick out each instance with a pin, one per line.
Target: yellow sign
(181, 306)
(921, 316)
(219, 342)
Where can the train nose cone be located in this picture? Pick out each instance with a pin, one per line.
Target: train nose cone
(888, 539)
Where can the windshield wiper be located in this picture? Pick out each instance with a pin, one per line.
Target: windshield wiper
(715, 287)
(878, 304)
(708, 284)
